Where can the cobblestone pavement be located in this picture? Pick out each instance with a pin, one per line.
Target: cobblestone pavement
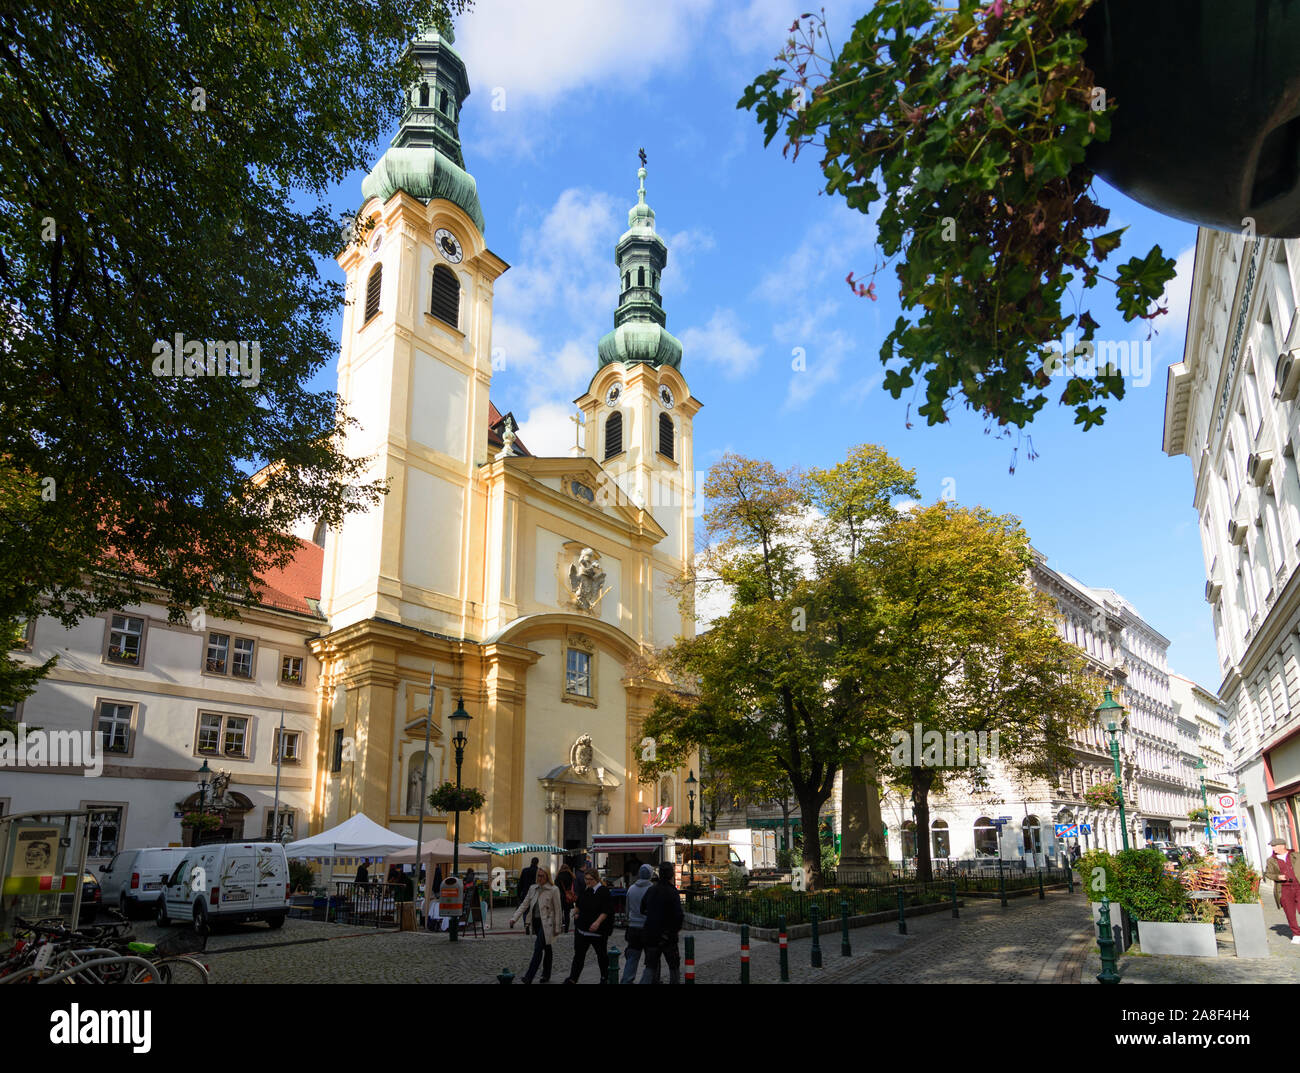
(1281, 967)
(1026, 943)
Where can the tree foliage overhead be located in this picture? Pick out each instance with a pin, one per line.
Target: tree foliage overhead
(969, 124)
(161, 173)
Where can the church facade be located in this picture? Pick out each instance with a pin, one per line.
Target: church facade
(528, 587)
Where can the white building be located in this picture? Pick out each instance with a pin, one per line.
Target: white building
(1200, 708)
(157, 700)
(1231, 408)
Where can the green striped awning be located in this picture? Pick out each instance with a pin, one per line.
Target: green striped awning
(509, 849)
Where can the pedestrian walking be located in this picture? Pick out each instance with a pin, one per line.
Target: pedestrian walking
(363, 875)
(527, 877)
(633, 938)
(1281, 869)
(541, 908)
(433, 917)
(593, 927)
(564, 880)
(662, 906)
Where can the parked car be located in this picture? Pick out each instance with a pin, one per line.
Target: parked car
(1229, 853)
(133, 879)
(227, 882)
(91, 900)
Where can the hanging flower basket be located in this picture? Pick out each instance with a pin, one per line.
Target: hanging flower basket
(201, 821)
(446, 798)
(1103, 795)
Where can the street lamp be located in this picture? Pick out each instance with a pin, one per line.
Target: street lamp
(460, 720)
(1115, 721)
(691, 783)
(1202, 766)
(205, 771)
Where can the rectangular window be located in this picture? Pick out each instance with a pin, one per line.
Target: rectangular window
(577, 678)
(291, 670)
(103, 829)
(291, 740)
(26, 636)
(115, 727)
(209, 733)
(242, 665)
(125, 639)
(286, 831)
(218, 652)
(236, 736)
(336, 761)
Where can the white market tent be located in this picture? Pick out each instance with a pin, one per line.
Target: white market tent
(359, 836)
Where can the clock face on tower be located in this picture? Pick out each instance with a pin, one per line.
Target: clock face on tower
(447, 245)
(665, 396)
(614, 393)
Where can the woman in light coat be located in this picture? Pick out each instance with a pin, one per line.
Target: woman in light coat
(542, 908)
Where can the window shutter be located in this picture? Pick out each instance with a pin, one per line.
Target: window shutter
(614, 435)
(666, 436)
(445, 302)
(373, 287)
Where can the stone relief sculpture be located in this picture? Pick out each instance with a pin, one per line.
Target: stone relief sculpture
(581, 755)
(587, 580)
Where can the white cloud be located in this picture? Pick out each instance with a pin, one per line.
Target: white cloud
(1172, 326)
(547, 430)
(720, 343)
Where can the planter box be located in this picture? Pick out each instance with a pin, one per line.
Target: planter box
(1116, 925)
(1248, 932)
(1181, 940)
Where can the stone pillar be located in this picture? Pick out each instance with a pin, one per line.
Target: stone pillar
(863, 853)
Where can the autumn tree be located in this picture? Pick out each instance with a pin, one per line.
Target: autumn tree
(783, 684)
(974, 650)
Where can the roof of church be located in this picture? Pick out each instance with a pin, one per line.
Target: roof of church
(496, 428)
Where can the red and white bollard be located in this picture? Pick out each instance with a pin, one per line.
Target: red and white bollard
(690, 959)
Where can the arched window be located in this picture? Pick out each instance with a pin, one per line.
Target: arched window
(445, 302)
(640, 277)
(908, 835)
(442, 101)
(666, 436)
(1033, 835)
(986, 838)
(939, 841)
(614, 435)
(374, 285)
(424, 94)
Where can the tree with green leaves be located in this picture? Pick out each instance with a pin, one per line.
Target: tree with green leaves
(974, 650)
(161, 175)
(782, 686)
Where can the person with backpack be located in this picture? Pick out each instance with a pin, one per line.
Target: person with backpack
(633, 942)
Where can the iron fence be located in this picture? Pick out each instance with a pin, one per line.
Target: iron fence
(367, 905)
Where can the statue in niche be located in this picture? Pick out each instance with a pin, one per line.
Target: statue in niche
(587, 580)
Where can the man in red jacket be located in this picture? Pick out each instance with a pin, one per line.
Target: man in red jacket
(1281, 869)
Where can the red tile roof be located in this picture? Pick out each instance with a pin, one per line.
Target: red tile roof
(495, 439)
(291, 587)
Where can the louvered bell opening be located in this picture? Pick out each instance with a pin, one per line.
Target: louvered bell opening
(445, 303)
(373, 288)
(666, 436)
(614, 436)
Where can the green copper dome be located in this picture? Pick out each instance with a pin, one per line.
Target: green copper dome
(639, 334)
(425, 158)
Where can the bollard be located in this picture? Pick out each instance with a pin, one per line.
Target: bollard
(955, 913)
(1002, 888)
(813, 912)
(690, 959)
(845, 950)
(785, 950)
(1042, 896)
(1106, 944)
(902, 917)
(611, 975)
(744, 953)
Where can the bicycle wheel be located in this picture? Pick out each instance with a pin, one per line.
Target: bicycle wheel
(180, 969)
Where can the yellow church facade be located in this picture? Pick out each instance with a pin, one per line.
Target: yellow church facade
(529, 587)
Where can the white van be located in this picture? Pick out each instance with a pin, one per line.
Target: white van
(134, 878)
(228, 882)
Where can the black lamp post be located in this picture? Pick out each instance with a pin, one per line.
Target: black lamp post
(460, 720)
(1201, 766)
(204, 771)
(691, 783)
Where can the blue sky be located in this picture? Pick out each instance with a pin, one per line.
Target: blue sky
(757, 260)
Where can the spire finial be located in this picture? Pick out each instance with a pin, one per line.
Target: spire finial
(640, 194)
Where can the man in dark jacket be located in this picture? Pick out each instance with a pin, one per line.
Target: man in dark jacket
(593, 927)
(662, 906)
(527, 878)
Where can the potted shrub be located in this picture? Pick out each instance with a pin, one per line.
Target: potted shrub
(1098, 871)
(1165, 916)
(1249, 935)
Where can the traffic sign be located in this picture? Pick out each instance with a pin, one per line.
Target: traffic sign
(1227, 802)
(1067, 830)
(1086, 828)
(1225, 823)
